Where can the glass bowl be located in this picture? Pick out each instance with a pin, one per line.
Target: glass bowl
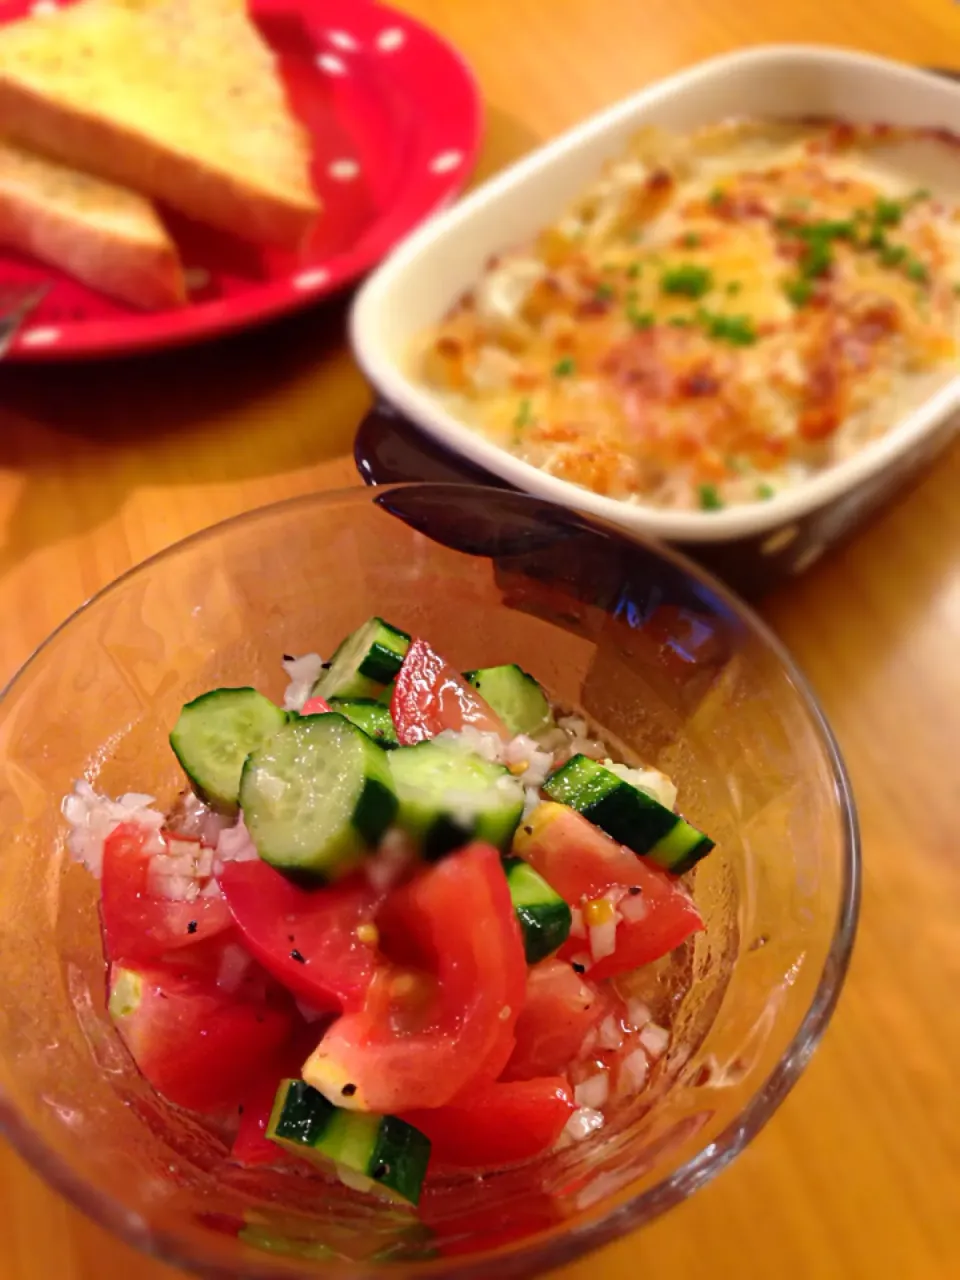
(664, 660)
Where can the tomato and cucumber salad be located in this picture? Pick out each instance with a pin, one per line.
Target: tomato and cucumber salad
(390, 926)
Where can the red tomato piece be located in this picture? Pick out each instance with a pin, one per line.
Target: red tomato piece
(430, 696)
(559, 1009)
(306, 938)
(251, 1145)
(136, 924)
(197, 1046)
(580, 863)
(497, 1124)
(427, 1033)
(315, 706)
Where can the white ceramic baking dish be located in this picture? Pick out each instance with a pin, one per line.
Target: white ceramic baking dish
(428, 271)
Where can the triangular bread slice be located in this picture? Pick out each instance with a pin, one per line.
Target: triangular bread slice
(177, 99)
(109, 238)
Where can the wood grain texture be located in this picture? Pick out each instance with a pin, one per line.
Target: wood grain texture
(858, 1176)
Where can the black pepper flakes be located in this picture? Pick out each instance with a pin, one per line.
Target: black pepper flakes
(578, 968)
(634, 889)
(528, 831)
(348, 1090)
(291, 937)
(288, 657)
(192, 926)
(295, 955)
(379, 1171)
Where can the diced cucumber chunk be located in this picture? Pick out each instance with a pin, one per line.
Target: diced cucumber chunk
(543, 915)
(449, 795)
(216, 732)
(258, 1237)
(370, 716)
(366, 661)
(317, 796)
(515, 696)
(629, 815)
(382, 1151)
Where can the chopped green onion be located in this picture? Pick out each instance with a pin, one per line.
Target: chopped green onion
(710, 500)
(765, 491)
(604, 292)
(680, 322)
(641, 319)
(634, 270)
(565, 367)
(887, 213)
(799, 292)
(691, 240)
(737, 330)
(918, 272)
(733, 288)
(524, 415)
(921, 193)
(891, 255)
(717, 196)
(688, 280)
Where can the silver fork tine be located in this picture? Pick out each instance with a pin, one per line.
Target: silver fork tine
(17, 302)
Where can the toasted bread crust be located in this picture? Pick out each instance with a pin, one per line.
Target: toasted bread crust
(123, 156)
(130, 257)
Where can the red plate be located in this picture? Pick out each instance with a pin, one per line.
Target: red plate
(396, 119)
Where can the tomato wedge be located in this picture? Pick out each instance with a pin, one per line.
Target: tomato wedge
(306, 938)
(315, 706)
(137, 925)
(580, 862)
(497, 1124)
(443, 1014)
(430, 696)
(199, 1047)
(559, 1009)
(251, 1146)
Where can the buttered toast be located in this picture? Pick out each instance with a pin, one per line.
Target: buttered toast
(179, 100)
(109, 238)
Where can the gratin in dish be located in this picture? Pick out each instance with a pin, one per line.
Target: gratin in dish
(720, 316)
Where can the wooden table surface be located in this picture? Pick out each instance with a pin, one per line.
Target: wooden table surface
(858, 1176)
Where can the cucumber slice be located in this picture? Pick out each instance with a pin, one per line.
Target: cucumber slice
(448, 796)
(380, 1154)
(515, 696)
(370, 716)
(628, 814)
(317, 796)
(366, 661)
(216, 732)
(544, 917)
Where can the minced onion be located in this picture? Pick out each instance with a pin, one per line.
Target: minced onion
(633, 1072)
(304, 672)
(603, 939)
(92, 817)
(633, 907)
(654, 1039)
(234, 965)
(234, 844)
(593, 1092)
(638, 1014)
(582, 1123)
(609, 1033)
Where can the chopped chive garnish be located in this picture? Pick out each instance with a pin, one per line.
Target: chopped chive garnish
(887, 213)
(691, 240)
(640, 319)
(524, 415)
(921, 193)
(917, 271)
(817, 258)
(737, 330)
(717, 196)
(565, 367)
(680, 322)
(710, 500)
(891, 255)
(765, 491)
(733, 288)
(799, 292)
(604, 292)
(688, 280)
(634, 270)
